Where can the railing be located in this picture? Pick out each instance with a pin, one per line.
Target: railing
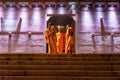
(25, 42)
(109, 42)
(89, 42)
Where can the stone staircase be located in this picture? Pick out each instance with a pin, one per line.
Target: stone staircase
(36, 66)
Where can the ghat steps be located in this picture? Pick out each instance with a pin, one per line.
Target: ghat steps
(38, 66)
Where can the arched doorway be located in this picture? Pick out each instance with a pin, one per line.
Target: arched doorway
(62, 20)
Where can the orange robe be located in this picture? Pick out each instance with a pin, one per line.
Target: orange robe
(66, 38)
(69, 40)
(50, 39)
(60, 42)
(53, 39)
(69, 45)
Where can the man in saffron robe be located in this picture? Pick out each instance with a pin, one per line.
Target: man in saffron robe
(51, 40)
(69, 41)
(60, 40)
(66, 36)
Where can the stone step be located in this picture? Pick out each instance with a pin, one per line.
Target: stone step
(58, 59)
(26, 66)
(60, 73)
(59, 62)
(61, 67)
(58, 55)
(56, 78)
(81, 58)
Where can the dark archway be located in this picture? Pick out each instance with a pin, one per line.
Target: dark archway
(63, 20)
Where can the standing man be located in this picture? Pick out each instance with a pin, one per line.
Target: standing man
(69, 41)
(60, 40)
(50, 36)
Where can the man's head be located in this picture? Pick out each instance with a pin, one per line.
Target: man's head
(60, 28)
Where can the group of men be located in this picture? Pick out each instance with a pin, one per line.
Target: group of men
(59, 42)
